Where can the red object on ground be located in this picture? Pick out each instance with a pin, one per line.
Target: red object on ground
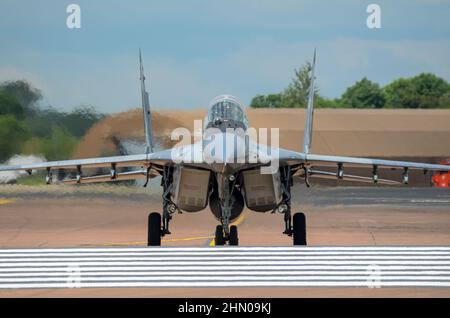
(441, 179)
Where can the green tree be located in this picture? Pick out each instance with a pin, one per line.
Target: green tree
(25, 94)
(296, 95)
(76, 122)
(425, 90)
(363, 94)
(444, 101)
(267, 101)
(322, 102)
(60, 145)
(81, 119)
(12, 136)
(401, 94)
(10, 106)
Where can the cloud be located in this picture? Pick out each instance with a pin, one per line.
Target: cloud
(242, 48)
(257, 67)
(342, 61)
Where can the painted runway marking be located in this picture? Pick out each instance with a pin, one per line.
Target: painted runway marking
(226, 267)
(182, 239)
(6, 201)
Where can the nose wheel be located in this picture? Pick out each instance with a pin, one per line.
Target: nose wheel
(220, 239)
(233, 239)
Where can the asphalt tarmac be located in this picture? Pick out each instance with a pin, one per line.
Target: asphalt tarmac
(49, 217)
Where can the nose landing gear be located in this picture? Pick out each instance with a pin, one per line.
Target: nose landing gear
(220, 237)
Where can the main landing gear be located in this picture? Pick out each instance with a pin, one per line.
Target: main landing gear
(159, 226)
(293, 226)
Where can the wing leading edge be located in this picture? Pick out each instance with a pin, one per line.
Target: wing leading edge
(375, 162)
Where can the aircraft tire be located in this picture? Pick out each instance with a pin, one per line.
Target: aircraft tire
(218, 238)
(234, 240)
(299, 229)
(154, 229)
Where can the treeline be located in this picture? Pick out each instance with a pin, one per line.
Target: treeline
(26, 128)
(425, 90)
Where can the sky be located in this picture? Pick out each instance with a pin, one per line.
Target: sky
(194, 50)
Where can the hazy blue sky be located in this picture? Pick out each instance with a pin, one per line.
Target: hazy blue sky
(194, 50)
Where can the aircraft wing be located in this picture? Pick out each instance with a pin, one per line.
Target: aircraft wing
(347, 177)
(146, 165)
(311, 163)
(313, 158)
(160, 157)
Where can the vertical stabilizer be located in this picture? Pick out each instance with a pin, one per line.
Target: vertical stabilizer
(146, 108)
(310, 110)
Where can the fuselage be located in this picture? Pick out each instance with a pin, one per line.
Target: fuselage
(230, 159)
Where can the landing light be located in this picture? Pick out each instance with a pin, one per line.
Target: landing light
(282, 208)
(405, 177)
(78, 177)
(172, 208)
(375, 174)
(340, 171)
(113, 171)
(48, 177)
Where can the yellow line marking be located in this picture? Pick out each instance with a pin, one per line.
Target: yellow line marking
(145, 243)
(238, 221)
(6, 201)
(188, 238)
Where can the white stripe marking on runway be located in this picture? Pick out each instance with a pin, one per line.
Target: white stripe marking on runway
(226, 267)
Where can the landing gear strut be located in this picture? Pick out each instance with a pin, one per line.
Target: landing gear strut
(293, 226)
(225, 232)
(157, 227)
(168, 207)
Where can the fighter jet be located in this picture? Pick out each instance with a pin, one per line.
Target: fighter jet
(227, 179)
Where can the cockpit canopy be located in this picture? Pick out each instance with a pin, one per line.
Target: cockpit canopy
(226, 110)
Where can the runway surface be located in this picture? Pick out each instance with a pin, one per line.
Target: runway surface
(372, 267)
(93, 220)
